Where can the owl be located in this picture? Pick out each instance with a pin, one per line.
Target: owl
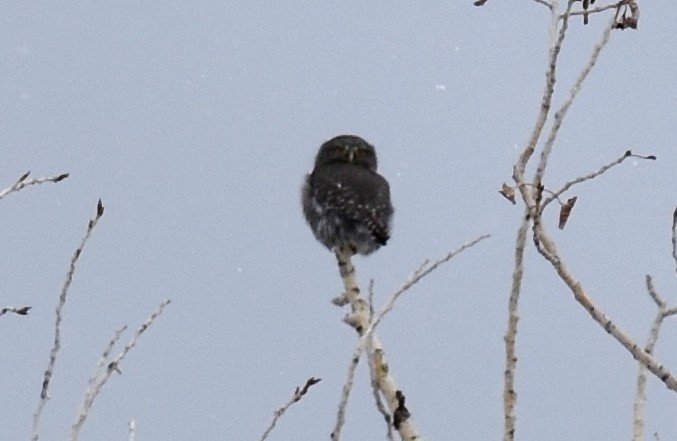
(345, 201)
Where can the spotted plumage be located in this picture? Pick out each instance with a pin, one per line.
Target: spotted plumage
(345, 201)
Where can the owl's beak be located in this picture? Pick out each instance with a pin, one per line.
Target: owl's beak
(351, 154)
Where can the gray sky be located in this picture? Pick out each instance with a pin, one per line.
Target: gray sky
(195, 123)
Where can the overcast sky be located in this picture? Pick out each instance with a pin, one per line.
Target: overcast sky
(196, 122)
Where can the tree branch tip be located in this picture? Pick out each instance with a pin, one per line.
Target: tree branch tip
(309, 383)
(23, 177)
(629, 153)
(99, 209)
(22, 310)
(61, 177)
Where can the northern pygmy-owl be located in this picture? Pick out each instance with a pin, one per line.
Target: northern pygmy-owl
(345, 201)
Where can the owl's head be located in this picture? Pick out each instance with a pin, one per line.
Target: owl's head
(347, 149)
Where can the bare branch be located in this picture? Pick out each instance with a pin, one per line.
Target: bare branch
(671, 311)
(640, 394)
(132, 430)
(381, 379)
(420, 273)
(509, 394)
(573, 92)
(359, 320)
(298, 394)
(378, 397)
(20, 310)
(345, 394)
(552, 255)
(674, 238)
(368, 340)
(402, 421)
(547, 4)
(96, 386)
(657, 298)
(351, 294)
(627, 154)
(46, 382)
(556, 39)
(93, 385)
(24, 182)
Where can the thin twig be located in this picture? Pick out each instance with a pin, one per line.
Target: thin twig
(370, 298)
(367, 341)
(657, 298)
(46, 382)
(24, 182)
(132, 430)
(556, 39)
(420, 273)
(298, 394)
(561, 113)
(345, 395)
(592, 175)
(551, 254)
(20, 310)
(674, 238)
(545, 3)
(114, 366)
(92, 384)
(640, 394)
